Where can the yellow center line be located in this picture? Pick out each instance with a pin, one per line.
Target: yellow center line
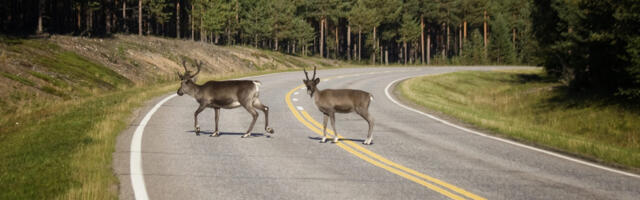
(400, 171)
(391, 163)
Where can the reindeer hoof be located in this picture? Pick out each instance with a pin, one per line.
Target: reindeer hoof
(198, 130)
(215, 134)
(335, 140)
(367, 142)
(246, 135)
(269, 130)
(324, 139)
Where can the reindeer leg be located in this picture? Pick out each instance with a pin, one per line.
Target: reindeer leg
(333, 125)
(195, 116)
(254, 114)
(325, 118)
(369, 119)
(216, 133)
(257, 104)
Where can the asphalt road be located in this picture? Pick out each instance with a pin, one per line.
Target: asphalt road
(412, 157)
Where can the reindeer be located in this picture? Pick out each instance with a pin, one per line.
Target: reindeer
(223, 94)
(330, 101)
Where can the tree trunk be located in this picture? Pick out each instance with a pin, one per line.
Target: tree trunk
(348, 42)
(373, 55)
(381, 48)
(178, 19)
(89, 19)
(464, 34)
(326, 28)
(191, 18)
(441, 41)
(255, 40)
(386, 56)
(229, 40)
(41, 5)
(448, 48)
(359, 44)
(201, 25)
(460, 39)
(404, 55)
(429, 47)
(513, 41)
(321, 37)
(421, 39)
(336, 51)
(275, 40)
(139, 17)
(114, 16)
(124, 16)
(485, 31)
(79, 17)
(107, 13)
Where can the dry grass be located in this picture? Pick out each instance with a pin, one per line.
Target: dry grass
(66, 99)
(92, 163)
(527, 106)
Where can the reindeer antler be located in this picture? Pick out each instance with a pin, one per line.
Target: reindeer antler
(305, 73)
(314, 73)
(198, 64)
(184, 64)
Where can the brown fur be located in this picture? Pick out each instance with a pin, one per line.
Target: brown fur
(224, 94)
(331, 101)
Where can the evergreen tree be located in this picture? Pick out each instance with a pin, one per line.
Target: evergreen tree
(501, 50)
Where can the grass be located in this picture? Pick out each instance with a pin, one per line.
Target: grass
(528, 106)
(64, 151)
(61, 148)
(22, 80)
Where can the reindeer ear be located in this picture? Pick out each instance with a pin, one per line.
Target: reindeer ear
(316, 81)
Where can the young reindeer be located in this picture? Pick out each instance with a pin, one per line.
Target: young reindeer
(223, 94)
(330, 101)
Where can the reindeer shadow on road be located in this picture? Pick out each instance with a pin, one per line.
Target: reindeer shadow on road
(341, 139)
(209, 133)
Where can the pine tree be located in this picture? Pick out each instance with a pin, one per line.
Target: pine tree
(501, 50)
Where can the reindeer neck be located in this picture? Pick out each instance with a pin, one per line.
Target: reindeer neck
(194, 89)
(316, 93)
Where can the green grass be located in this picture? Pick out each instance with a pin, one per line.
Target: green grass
(64, 151)
(22, 80)
(61, 148)
(530, 107)
(66, 146)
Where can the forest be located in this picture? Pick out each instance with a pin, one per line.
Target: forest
(590, 45)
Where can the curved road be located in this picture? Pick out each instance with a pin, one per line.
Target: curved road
(413, 156)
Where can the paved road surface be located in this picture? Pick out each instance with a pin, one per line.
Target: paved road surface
(413, 156)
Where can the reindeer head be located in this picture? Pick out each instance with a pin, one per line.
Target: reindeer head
(311, 83)
(187, 81)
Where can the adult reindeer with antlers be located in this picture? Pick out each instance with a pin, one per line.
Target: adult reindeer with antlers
(331, 101)
(223, 94)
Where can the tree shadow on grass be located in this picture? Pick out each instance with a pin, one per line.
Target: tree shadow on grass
(562, 96)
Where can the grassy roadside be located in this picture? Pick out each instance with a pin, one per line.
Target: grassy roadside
(528, 106)
(65, 151)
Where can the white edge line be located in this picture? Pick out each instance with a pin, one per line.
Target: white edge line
(137, 176)
(135, 162)
(386, 91)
